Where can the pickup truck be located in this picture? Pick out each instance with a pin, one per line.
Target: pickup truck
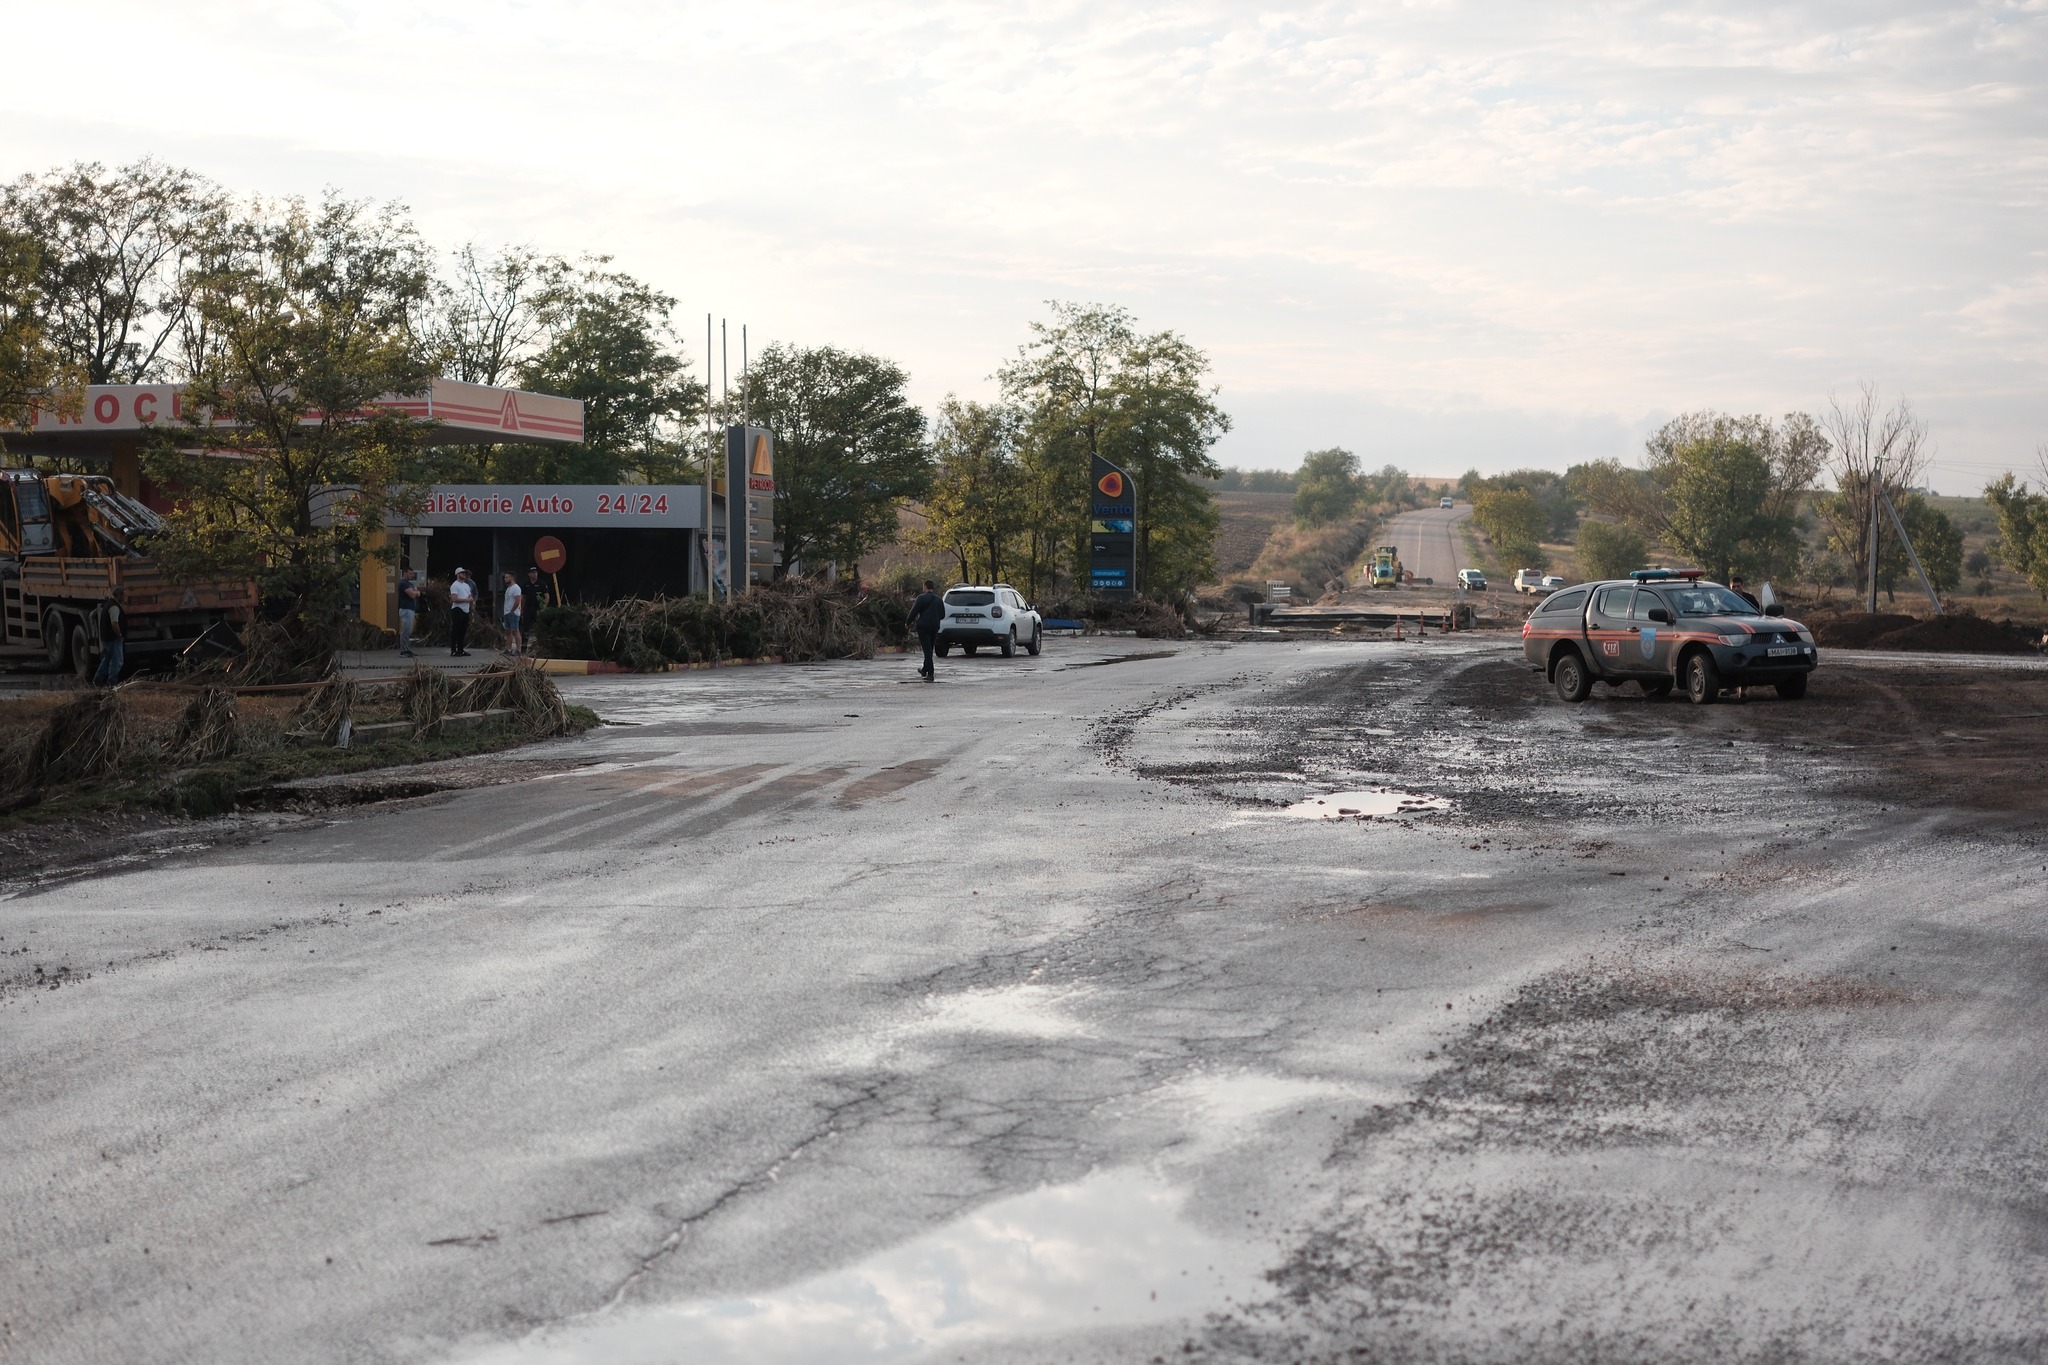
(1662, 629)
(1529, 580)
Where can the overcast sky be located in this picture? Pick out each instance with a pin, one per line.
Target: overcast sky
(1438, 234)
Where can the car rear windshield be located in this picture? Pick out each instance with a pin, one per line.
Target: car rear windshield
(969, 597)
(1563, 601)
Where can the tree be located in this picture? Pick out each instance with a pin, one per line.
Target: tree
(31, 368)
(1609, 550)
(1554, 494)
(849, 446)
(115, 251)
(489, 320)
(604, 338)
(1515, 522)
(1935, 540)
(304, 317)
(2022, 530)
(976, 509)
(1864, 438)
(1088, 384)
(1724, 491)
(1325, 487)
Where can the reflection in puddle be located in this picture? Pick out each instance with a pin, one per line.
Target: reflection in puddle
(1357, 805)
(1110, 1250)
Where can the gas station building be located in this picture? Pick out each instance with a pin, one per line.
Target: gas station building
(620, 540)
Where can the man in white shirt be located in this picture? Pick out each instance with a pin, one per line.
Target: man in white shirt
(461, 597)
(508, 614)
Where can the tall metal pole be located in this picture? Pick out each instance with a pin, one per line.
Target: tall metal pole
(710, 557)
(744, 418)
(1876, 492)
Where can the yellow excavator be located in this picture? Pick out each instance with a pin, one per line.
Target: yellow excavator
(66, 542)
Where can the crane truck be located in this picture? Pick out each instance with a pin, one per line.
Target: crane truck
(67, 541)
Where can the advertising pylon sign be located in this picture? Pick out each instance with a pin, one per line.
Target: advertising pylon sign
(1112, 532)
(749, 505)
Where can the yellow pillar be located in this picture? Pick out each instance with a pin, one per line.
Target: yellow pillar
(127, 470)
(379, 582)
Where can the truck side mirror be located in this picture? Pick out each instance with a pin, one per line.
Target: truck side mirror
(1775, 609)
(1660, 615)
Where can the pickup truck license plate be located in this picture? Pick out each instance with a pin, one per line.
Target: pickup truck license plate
(1781, 651)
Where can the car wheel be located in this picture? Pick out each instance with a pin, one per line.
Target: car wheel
(970, 650)
(81, 653)
(1573, 682)
(56, 640)
(1702, 678)
(1792, 689)
(1037, 639)
(1657, 687)
(944, 649)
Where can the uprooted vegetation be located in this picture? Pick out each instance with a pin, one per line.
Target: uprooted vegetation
(795, 620)
(187, 751)
(1310, 558)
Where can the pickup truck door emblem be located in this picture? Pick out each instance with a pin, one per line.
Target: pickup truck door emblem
(1649, 641)
(1611, 648)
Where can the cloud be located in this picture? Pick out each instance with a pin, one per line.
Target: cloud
(1540, 212)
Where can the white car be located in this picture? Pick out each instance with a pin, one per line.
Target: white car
(1472, 580)
(1552, 582)
(1529, 580)
(1443, 502)
(993, 615)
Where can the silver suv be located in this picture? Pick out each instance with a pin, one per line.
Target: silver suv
(994, 615)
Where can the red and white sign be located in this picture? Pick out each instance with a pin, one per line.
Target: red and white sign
(466, 412)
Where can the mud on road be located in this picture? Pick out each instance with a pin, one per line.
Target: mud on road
(1741, 1126)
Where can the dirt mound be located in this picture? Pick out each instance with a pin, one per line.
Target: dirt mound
(1954, 634)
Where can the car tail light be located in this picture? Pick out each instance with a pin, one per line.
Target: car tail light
(996, 612)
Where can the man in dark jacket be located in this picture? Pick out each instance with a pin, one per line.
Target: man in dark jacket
(926, 615)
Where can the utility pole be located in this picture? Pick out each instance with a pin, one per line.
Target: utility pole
(1876, 498)
(710, 550)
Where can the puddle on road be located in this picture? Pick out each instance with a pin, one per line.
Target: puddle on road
(1111, 1250)
(1358, 805)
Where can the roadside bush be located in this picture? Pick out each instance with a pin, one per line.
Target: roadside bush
(1606, 550)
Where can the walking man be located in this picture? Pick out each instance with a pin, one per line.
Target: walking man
(461, 597)
(112, 628)
(926, 615)
(408, 610)
(508, 613)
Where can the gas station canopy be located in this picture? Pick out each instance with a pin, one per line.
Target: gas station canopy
(115, 417)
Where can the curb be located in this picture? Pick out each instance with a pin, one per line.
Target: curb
(587, 667)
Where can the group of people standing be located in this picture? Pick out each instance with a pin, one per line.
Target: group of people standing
(519, 604)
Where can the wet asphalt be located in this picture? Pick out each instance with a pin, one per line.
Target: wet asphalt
(815, 1014)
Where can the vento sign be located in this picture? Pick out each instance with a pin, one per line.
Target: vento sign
(624, 505)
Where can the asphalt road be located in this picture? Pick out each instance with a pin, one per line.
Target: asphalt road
(812, 1014)
(1431, 542)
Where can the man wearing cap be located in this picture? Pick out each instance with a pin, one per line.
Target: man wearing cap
(461, 597)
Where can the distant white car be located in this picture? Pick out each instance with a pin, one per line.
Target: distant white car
(1529, 580)
(993, 615)
(1443, 502)
(1472, 580)
(1552, 582)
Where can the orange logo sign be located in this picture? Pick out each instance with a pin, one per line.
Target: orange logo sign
(1112, 485)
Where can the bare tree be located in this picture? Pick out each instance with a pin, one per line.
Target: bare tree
(1865, 437)
(494, 314)
(115, 254)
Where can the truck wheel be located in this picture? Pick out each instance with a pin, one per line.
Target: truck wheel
(56, 640)
(1702, 678)
(1037, 639)
(1573, 682)
(1010, 645)
(81, 653)
(1792, 689)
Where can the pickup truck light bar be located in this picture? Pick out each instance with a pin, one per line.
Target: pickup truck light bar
(1652, 575)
